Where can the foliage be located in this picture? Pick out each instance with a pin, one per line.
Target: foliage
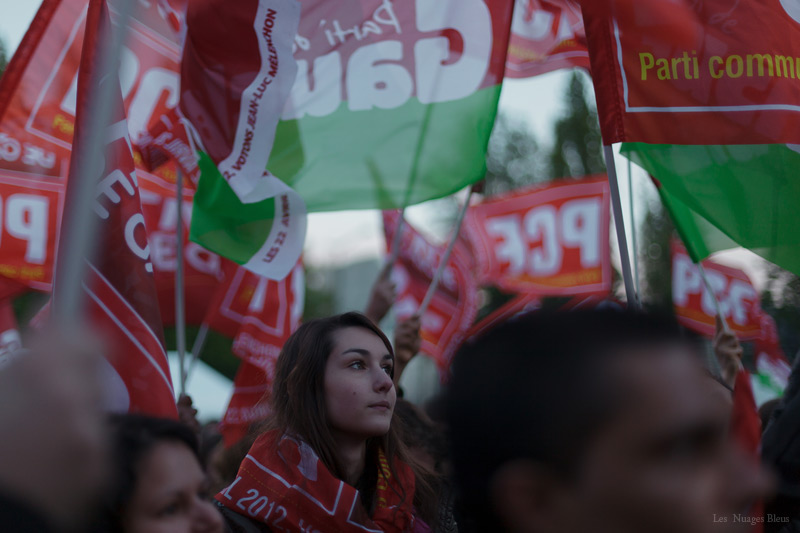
(655, 259)
(577, 150)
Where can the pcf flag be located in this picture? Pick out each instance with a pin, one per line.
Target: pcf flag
(551, 240)
(546, 35)
(455, 303)
(694, 305)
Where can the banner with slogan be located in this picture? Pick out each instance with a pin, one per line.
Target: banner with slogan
(202, 270)
(120, 291)
(393, 102)
(272, 315)
(455, 303)
(546, 35)
(241, 210)
(552, 239)
(707, 102)
(694, 305)
(38, 100)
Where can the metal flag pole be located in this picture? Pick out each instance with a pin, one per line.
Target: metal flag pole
(619, 223)
(445, 258)
(78, 233)
(180, 318)
(633, 230)
(197, 347)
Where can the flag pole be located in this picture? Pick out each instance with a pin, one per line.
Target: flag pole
(180, 319)
(446, 257)
(77, 238)
(197, 347)
(717, 306)
(619, 223)
(635, 257)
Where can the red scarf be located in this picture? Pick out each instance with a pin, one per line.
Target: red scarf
(288, 488)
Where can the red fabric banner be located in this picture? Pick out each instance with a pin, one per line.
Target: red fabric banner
(694, 305)
(249, 403)
(202, 270)
(710, 73)
(121, 296)
(38, 95)
(551, 240)
(272, 314)
(546, 35)
(455, 303)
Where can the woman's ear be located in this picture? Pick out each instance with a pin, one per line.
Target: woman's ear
(528, 497)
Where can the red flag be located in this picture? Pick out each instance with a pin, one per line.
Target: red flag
(168, 140)
(121, 297)
(667, 72)
(746, 431)
(455, 303)
(202, 271)
(546, 35)
(694, 305)
(249, 403)
(552, 240)
(272, 315)
(37, 118)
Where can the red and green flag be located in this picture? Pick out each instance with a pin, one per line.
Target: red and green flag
(713, 113)
(392, 104)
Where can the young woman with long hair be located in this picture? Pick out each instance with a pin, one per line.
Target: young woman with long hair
(330, 457)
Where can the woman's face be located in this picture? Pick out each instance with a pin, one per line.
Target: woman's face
(171, 494)
(359, 393)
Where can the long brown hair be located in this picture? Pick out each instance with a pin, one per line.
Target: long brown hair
(298, 406)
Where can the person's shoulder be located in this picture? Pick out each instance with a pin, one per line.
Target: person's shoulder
(237, 523)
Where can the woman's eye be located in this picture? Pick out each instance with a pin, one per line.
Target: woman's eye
(169, 510)
(358, 364)
(387, 369)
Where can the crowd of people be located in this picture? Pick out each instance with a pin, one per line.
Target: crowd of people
(605, 421)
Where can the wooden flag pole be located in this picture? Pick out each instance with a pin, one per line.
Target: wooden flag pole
(619, 223)
(78, 242)
(180, 317)
(445, 258)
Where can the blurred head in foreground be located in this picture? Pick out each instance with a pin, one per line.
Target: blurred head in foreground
(593, 421)
(157, 483)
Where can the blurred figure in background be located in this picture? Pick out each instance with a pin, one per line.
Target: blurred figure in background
(157, 483)
(53, 448)
(594, 421)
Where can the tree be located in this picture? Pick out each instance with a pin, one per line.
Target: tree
(3, 58)
(577, 148)
(655, 258)
(512, 159)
